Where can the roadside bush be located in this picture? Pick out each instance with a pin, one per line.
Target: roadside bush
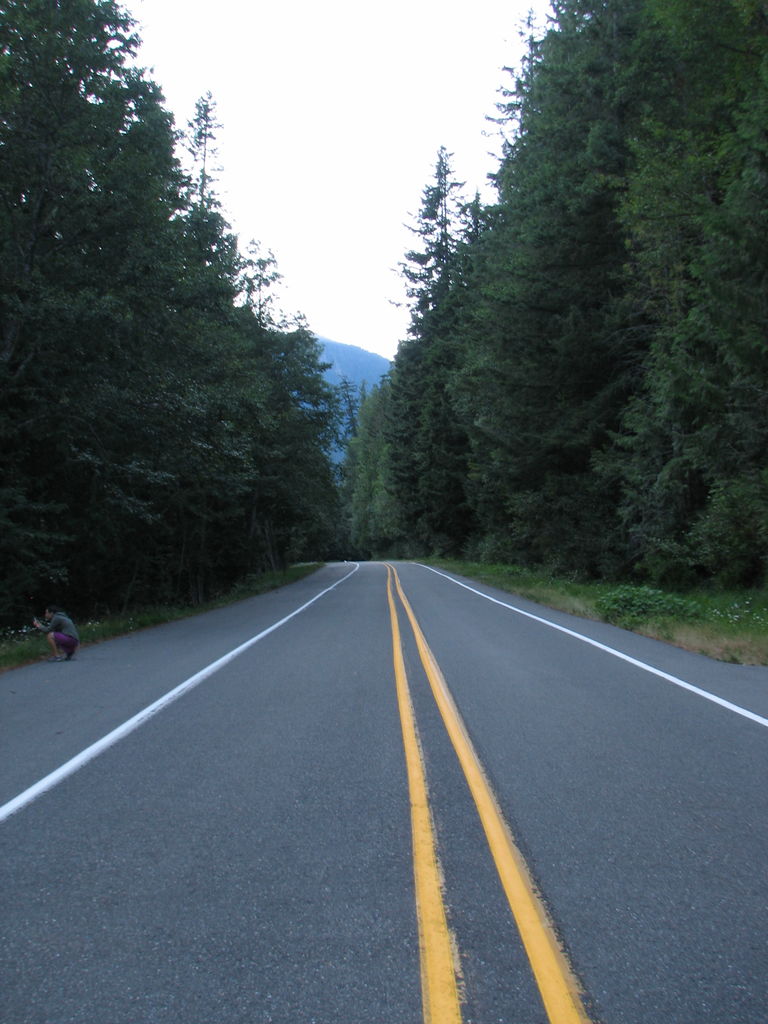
(732, 534)
(626, 605)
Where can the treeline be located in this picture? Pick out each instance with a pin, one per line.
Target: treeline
(585, 381)
(164, 433)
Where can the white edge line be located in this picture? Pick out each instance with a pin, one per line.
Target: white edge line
(71, 766)
(611, 650)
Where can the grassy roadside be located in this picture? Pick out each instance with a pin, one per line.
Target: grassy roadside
(728, 626)
(20, 647)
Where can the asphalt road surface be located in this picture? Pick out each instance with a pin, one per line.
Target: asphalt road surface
(314, 808)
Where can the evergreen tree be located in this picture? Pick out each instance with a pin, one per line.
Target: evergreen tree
(696, 492)
(554, 349)
(161, 436)
(427, 444)
(259, 276)
(599, 333)
(374, 525)
(89, 186)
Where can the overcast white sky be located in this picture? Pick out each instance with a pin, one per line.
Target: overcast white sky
(332, 113)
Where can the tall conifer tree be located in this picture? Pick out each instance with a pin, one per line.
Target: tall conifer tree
(428, 446)
(549, 371)
(694, 465)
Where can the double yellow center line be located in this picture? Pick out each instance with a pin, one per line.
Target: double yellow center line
(558, 986)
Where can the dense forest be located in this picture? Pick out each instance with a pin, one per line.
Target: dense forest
(165, 432)
(584, 385)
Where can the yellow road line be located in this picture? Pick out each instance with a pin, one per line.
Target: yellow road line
(440, 997)
(559, 988)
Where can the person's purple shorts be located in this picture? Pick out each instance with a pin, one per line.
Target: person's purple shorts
(65, 643)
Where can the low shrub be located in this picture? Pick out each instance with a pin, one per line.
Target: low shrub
(628, 604)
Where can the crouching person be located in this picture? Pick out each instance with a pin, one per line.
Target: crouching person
(62, 635)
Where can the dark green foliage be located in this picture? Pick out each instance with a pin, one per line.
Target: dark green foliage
(695, 214)
(627, 605)
(584, 384)
(554, 358)
(372, 509)
(730, 538)
(428, 446)
(160, 436)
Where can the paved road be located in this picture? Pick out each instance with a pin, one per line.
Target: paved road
(245, 851)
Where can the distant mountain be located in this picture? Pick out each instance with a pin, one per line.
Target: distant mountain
(357, 365)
